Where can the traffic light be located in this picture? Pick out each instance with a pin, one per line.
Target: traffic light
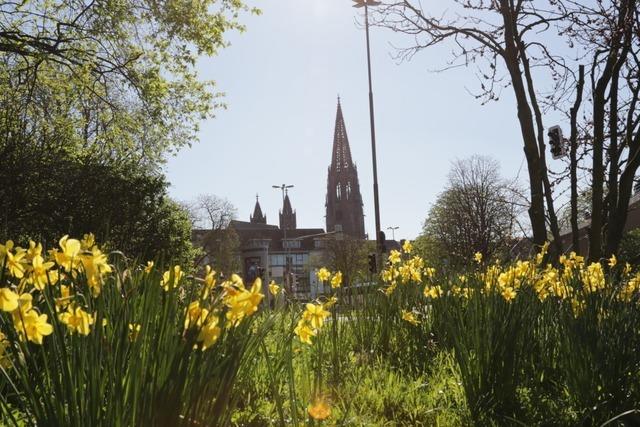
(382, 239)
(372, 263)
(556, 142)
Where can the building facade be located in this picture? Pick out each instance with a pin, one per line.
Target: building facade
(288, 254)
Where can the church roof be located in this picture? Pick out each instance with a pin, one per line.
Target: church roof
(341, 156)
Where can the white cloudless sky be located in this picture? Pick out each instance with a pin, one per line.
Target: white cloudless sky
(281, 79)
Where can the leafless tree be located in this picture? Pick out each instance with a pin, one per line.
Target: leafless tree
(211, 216)
(523, 45)
(476, 212)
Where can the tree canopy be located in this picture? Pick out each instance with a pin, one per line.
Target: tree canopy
(114, 78)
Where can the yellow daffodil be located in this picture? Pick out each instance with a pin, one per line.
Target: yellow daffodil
(8, 300)
(508, 293)
(196, 315)
(65, 297)
(394, 257)
(478, 257)
(243, 302)
(336, 280)
(613, 261)
(77, 320)
(7, 247)
(629, 288)
(319, 409)
(149, 267)
(323, 274)
(35, 249)
(274, 289)
(315, 314)
(593, 277)
(171, 278)
(39, 272)
(304, 331)
(432, 292)
(14, 263)
(69, 257)
(95, 266)
(209, 332)
(430, 272)
(407, 247)
(409, 317)
(33, 326)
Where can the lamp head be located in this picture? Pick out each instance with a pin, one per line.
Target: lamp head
(363, 3)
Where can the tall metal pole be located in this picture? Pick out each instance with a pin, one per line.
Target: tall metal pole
(284, 189)
(376, 202)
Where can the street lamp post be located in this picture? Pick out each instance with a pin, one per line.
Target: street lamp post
(379, 243)
(393, 231)
(284, 188)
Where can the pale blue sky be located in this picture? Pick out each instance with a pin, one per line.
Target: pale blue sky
(281, 78)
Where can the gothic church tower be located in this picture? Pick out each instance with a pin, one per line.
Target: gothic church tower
(344, 202)
(287, 214)
(257, 217)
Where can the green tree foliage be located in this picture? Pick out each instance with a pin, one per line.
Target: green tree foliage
(111, 78)
(93, 95)
(51, 193)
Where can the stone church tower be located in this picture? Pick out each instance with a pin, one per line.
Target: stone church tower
(287, 215)
(257, 217)
(344, 202)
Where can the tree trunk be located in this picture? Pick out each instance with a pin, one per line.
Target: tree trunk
(536, 208)
(573, 162)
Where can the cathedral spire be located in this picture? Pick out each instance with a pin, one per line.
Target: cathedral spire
(341, 156)
(344, 201)
(257, 217)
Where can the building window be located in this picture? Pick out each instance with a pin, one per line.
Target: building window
(291, 244)
(348, 190)
(338, 191)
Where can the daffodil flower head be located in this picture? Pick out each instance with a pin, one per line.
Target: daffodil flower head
(336, 280)
(77, 320)
(68, 258)
(319, 409)
(171, 278)
(149, 267)
(209, 332)
(8, 300)
(394, 257)
(274, 289)
(33, 326)
(409, 317)
(323, 274)
(304, 332)
(315, 314)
